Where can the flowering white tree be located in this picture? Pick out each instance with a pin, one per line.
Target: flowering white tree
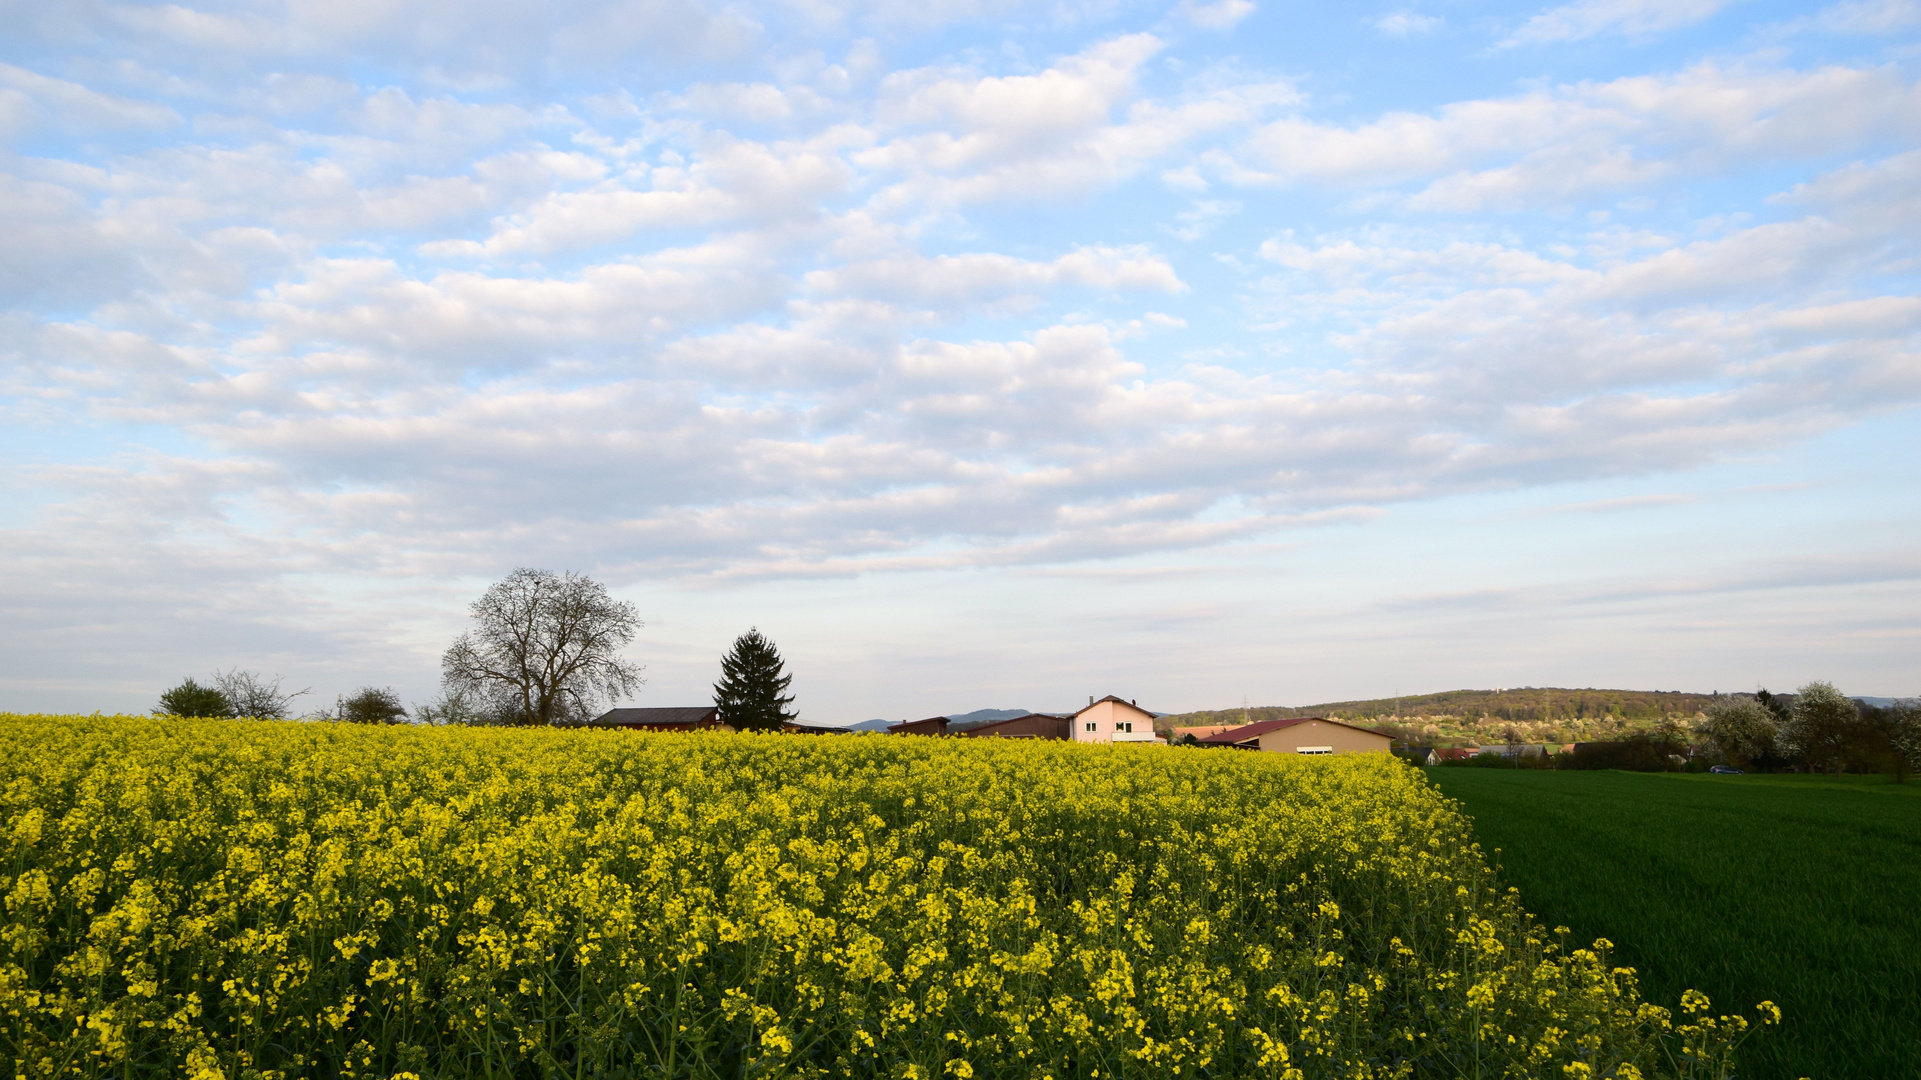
(1905, 720)
(1821, 726)
(1741, 728)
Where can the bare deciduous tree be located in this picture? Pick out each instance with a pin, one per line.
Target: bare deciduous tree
(454, 706)
(253, 695)
(545, 648)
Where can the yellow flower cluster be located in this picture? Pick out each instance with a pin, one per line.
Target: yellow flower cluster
(250, 899)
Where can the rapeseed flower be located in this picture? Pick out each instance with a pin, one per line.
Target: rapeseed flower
(277, 900)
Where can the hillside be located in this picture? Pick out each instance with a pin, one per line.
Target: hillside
(1534, 713)
(964, 721)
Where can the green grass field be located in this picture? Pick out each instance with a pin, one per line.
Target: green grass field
(1803, 890)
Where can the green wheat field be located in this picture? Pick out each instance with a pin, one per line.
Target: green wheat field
(1799, 889)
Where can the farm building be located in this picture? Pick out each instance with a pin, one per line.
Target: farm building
(933, 725)
(1202, 731)
(796, 728)
(1106, 720)
(1031, 726)
(1302, 735)
(671, 718)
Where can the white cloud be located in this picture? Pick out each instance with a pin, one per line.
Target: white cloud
(985, 119)
(57, 248)
(1051, 135)
(1549, 145)
(1882, 198)
(1219, 15)
(730, 181)
(472, 320)
(70, 105)
(483, 43)
(754, 103)
(1203, 217)
(1870, 16)
(949, 280)
(1403, 24)
(1634, 18)
(515, 283)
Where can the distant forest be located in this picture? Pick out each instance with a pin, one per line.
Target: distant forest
(1528, 704)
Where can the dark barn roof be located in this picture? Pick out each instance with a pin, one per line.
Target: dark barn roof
(933, 725)
(793, 728)
(1031, 726)
(667, 717)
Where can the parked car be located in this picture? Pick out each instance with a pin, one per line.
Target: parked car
(1725, 770)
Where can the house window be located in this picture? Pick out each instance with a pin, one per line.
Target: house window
(1128, 727)
(1313, 749)
(1090, 725)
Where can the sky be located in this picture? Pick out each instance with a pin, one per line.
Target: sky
(981, 353)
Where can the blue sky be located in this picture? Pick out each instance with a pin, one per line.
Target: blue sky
(982, 353)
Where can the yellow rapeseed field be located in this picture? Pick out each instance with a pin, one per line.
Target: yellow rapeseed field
(252, 899)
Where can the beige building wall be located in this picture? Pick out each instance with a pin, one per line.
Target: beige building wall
(1110, 721)
(1321, 737)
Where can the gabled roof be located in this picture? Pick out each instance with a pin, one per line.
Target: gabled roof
(685, 715)
(1255, 730)
(1117, 701)
(1235, 736)
(933, 725)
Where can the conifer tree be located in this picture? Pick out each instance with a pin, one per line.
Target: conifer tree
(749, 693)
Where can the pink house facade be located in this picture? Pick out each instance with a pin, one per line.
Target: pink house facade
(1111, 720)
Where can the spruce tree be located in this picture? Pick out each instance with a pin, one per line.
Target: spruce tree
(749, 693)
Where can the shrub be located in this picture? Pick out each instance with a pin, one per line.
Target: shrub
(1647, 751)
(373, 705)
(192, 699)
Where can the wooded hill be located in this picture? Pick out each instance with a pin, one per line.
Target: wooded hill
(1528, 704)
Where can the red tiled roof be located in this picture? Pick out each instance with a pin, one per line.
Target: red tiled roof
(1053, 725)
(1235, 736)
(1254, 731)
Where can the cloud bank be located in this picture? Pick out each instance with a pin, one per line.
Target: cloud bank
(341, 294)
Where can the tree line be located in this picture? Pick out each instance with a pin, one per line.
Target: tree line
(544, 649)
(1815, 729)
